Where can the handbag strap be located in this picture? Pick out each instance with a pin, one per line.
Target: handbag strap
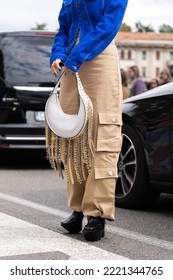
(79, 85)
(84, 97)
(55, 90)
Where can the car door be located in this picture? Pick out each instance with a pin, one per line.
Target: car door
(156, 128)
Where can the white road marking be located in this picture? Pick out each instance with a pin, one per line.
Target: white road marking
(160, 243)
(163, 244)
(33, 205)
(19, 237)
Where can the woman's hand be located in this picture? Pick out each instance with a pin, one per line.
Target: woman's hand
(56, 66)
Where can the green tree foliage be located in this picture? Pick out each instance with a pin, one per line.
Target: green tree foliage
(143, 28)
(125, 28)
(38, 26)
(165, 29)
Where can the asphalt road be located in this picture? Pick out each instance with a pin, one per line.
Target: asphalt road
(33, 203)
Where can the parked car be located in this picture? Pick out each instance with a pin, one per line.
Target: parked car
(146, 159)
(25, 83)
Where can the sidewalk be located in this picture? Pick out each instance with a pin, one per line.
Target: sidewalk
(20, 240)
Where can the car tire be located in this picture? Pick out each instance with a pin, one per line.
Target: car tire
(132, 187)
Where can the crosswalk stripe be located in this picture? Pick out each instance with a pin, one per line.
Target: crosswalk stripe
(111, 229)
(18, 237)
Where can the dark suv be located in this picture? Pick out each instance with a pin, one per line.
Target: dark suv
(25, 83)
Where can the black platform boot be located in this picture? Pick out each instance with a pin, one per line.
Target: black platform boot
(73, 223)
(94, 230)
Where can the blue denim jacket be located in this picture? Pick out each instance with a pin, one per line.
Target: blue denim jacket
(98, 22)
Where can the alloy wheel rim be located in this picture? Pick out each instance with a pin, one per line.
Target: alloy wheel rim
(127, 167)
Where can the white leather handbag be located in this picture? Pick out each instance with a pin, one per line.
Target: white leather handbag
(65, 125)
(69, 138)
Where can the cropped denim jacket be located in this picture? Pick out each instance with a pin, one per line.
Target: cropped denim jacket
(98, 22)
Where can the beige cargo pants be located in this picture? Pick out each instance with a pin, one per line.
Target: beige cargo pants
(101, 81)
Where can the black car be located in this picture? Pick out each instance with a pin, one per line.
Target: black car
(25, 83)
(146, 159)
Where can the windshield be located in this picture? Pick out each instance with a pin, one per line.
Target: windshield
(26, 61)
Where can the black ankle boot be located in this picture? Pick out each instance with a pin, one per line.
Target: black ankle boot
(94, 230)
(73, 223)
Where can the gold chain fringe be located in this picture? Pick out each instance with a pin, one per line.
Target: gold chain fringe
(75, 153)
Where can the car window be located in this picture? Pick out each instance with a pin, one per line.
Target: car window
(26, 60)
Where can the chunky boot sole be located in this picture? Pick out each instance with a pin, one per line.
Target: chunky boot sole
(95, 228)
(93, 235)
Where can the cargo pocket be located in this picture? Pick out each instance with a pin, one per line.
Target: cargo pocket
(107, 172)
(109, 143)
(109, 132)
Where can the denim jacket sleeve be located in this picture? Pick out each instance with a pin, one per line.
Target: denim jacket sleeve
(95, 41)
(61, 38)
(100, 37)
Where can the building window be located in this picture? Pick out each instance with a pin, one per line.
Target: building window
(129, 54)
(157, 55)
(122, 54)
(157, 71)
(144, 55)
(171, 55)
(143, 72)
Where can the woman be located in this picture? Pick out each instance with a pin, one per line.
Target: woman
(165, 76)
(154, 83)
(136, 84)
(85, 44)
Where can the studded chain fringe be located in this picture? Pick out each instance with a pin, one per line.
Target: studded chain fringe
(75, 153)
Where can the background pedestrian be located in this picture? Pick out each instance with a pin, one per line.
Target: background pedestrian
(135, 83)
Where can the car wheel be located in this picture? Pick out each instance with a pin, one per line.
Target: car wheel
(132, 188)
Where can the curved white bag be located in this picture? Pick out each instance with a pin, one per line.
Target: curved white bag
(65, 125)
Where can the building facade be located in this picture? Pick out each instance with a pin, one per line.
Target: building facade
(151, 52)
